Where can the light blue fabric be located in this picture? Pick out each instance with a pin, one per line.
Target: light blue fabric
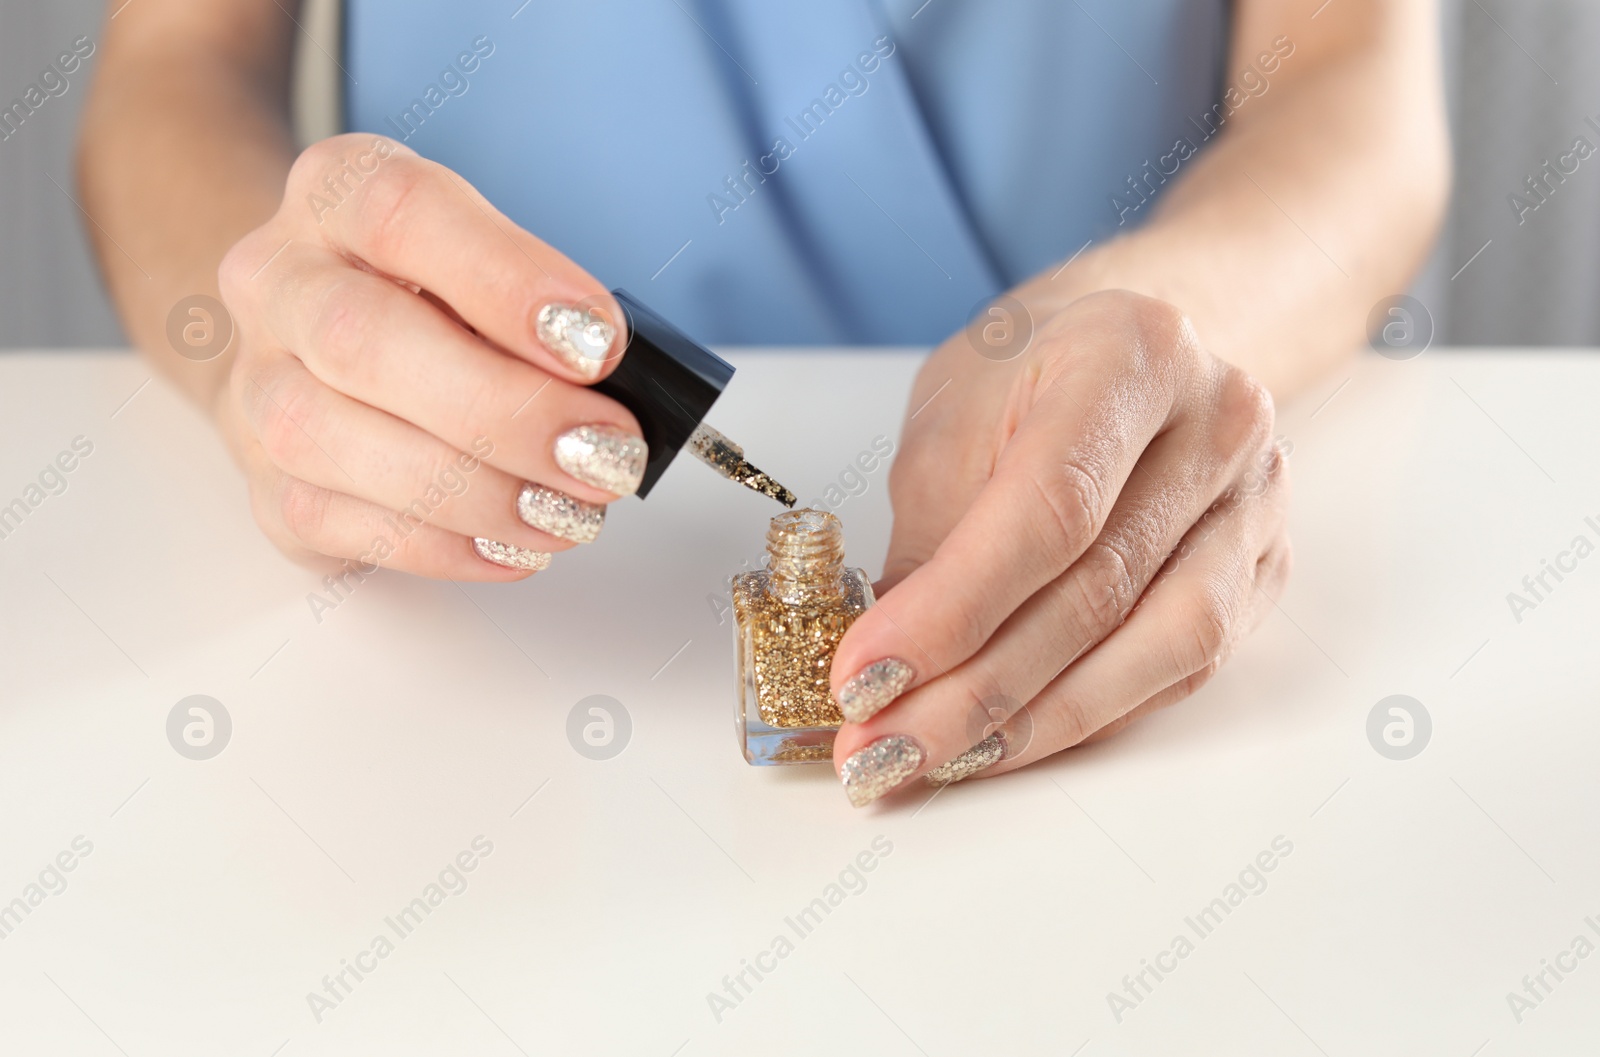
(952, 147)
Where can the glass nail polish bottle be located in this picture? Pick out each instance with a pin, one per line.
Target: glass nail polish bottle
(788, 620)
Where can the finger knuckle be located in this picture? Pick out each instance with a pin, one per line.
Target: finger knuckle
(1275, 474)
(1247, 400)
(1254, 399)
(1246, 405)
(312, 164)
(1103, 587)
(1207, 623)
(314, 156)
(1195, 680)
(1165, 321)
(390, 202)
(1276, 565)
(249, 362)
(288, 415)
(1158, 338)
(961, 633)
(987, 694)
(420, 551)
(482, 400)
(343, 326)
(1267, 478)
(1065, 724)
(308, 165)
(1167, 338)
(304, 511)
(1072, 501)
(233, 273)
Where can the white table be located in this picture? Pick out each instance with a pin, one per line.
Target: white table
(371, 748)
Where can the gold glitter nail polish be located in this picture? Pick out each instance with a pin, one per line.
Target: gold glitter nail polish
(510, 556)
(559, 513)
(985, 754)
(879, 767)
(788, 620)
(604, 456)
(727, 458)
(874, 688)
(580, 337)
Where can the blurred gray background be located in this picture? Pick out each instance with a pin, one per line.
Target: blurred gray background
(1522, 81)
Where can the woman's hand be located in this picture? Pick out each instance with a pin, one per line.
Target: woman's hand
(409, 388)
(1081, 535)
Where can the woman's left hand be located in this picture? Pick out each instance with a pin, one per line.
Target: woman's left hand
(1082, 534)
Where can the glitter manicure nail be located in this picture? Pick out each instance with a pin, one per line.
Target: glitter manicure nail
(603, 456)
(559, 513)
(510, 557)
(871, 689)
(581, 338)
(880, 766)
(986, 753)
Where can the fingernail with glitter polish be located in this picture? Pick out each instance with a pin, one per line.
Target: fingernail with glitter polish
(986, 753)
(559, 513)
(878, 767)
(604, 456)
(580, 337)
(510, 557)
(871, 689)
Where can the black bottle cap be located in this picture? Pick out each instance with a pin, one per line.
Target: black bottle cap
(667, 379)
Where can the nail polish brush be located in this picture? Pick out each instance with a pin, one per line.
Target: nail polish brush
(669, 381)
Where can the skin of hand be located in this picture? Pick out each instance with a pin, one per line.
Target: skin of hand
(389, 352)
(384, 351)
(1084, 532)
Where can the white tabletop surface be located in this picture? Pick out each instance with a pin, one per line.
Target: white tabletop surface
(371, 748)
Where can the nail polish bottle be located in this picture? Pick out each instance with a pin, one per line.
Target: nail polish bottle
(788, 620)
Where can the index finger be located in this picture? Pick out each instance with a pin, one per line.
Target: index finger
(415, 220)
(1052, 489)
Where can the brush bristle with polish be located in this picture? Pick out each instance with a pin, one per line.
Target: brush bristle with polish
(727, 458)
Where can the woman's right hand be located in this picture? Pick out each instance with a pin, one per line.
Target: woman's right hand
(409, 387)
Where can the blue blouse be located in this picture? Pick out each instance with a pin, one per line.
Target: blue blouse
(784, 172)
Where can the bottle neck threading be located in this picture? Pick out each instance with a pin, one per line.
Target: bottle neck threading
(805, 557)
